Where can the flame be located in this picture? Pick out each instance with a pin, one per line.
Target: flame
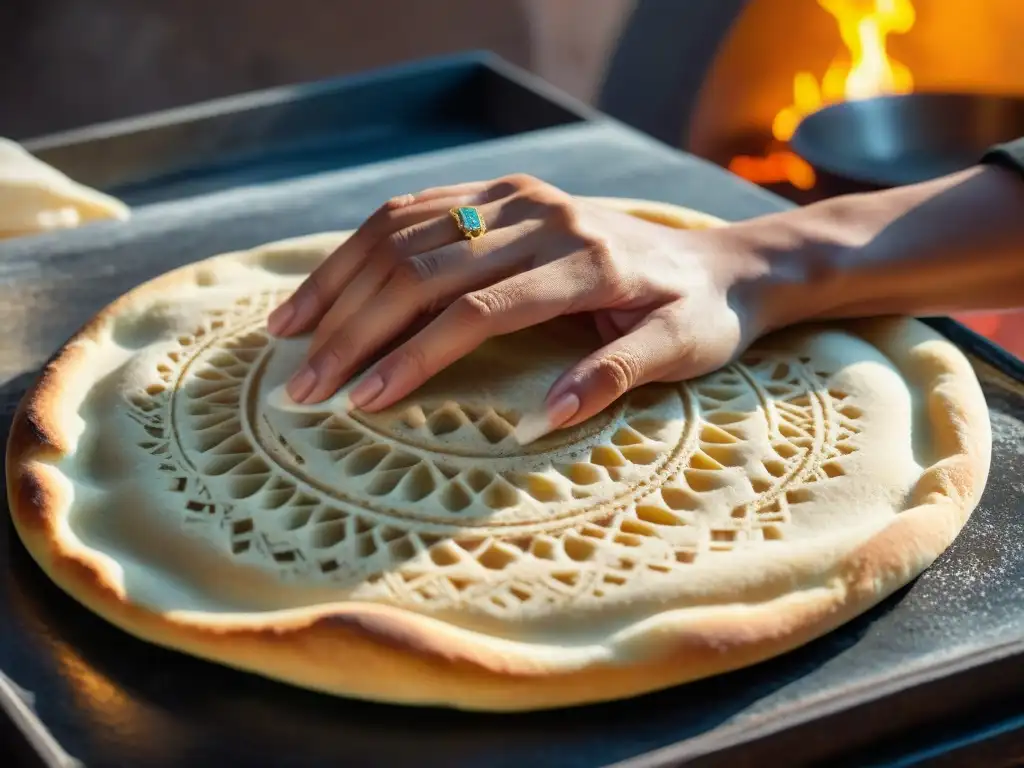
(865, 70)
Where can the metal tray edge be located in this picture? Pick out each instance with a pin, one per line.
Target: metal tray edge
(36, 738)
(864, 694)
(283, 93)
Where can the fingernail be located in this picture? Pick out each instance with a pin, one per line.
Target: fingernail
(302, 384)
(534, 426)
(366, 390)
(280, 318)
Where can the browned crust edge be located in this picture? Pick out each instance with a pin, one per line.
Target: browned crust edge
(383, 653)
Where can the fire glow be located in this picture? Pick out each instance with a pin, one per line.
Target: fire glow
(864, 70)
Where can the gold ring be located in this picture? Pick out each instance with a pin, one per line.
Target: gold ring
(469, 221)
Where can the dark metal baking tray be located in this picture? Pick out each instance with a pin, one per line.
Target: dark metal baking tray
(947, 645)
(302, 130)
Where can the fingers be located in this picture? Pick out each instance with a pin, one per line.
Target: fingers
(518, 302)
(466, 189)
(365, 285)
(453, 270)
(404, 226)
(409, 257)
(654, 348)
(430, 249)
(307, 305)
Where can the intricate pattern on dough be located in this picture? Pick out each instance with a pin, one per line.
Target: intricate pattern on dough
(158, 474)
(426, 504)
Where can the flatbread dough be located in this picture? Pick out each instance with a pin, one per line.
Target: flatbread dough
(420, 555)
(36, 197)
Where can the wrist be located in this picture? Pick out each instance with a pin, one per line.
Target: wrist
(795, 271)
(948, 245)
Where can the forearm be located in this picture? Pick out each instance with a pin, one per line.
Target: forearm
(949, 245)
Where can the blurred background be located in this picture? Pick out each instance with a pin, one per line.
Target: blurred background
(729, 80)
(67, 63)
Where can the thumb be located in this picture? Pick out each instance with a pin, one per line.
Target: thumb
(643, 355)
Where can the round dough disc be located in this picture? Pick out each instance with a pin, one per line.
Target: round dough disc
(160, 476)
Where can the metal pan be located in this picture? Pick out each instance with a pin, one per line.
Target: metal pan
(894, 140)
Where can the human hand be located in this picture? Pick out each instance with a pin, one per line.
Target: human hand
(668, 304)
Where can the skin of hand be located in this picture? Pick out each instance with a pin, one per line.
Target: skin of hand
(953, 244)
(669, 304)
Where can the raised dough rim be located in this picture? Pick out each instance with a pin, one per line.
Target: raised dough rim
(383, 653)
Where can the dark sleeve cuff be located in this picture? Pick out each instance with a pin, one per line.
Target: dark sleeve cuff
(1009, 155)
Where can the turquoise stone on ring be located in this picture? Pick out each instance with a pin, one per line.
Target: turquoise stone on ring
(469, 221)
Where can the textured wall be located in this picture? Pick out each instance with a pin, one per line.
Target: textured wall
(66, 63)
